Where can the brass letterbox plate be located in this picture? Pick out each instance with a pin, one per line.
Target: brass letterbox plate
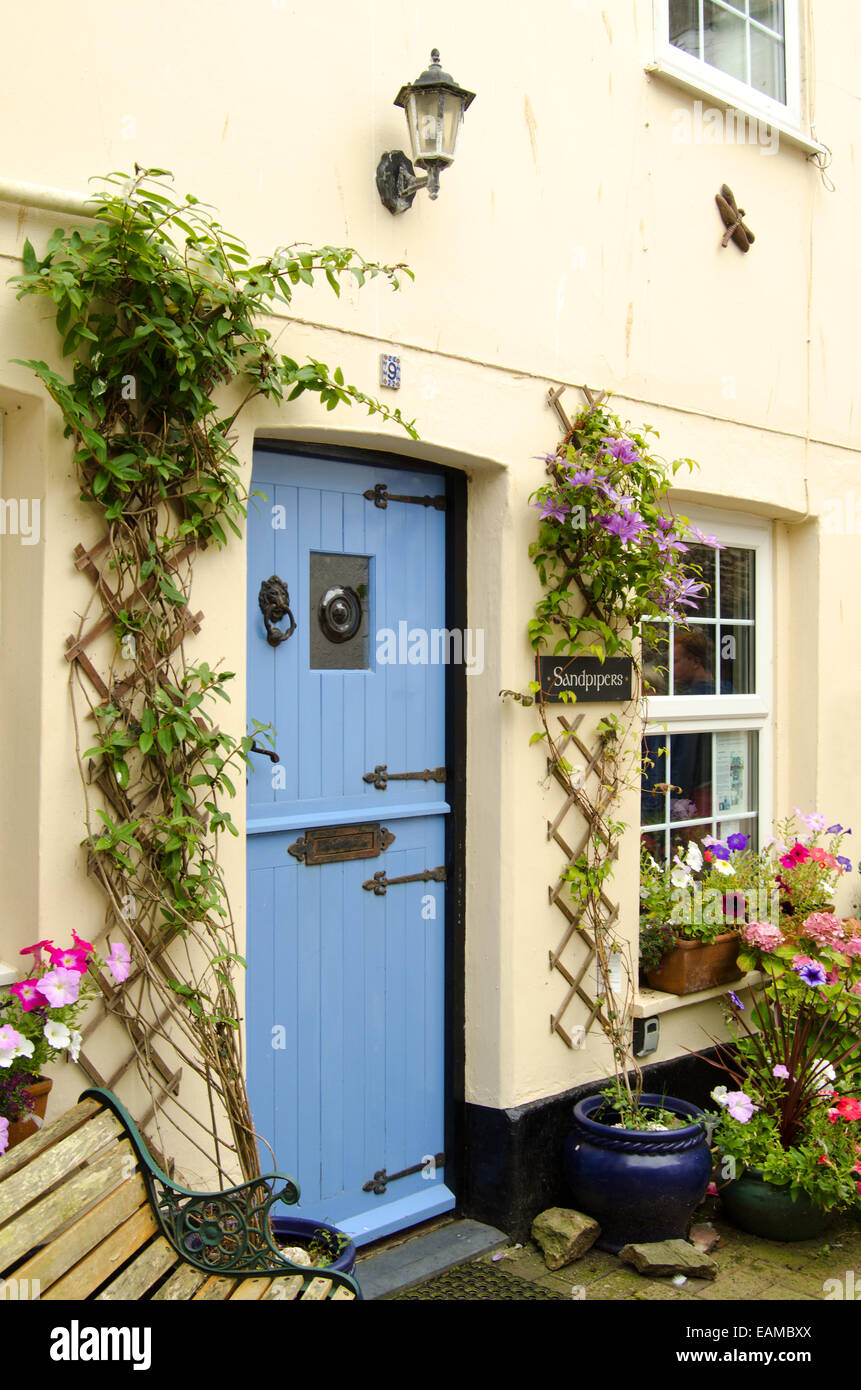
(331, 844)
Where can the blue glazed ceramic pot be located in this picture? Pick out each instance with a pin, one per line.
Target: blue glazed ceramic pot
(639, 1185)
(288, 1230)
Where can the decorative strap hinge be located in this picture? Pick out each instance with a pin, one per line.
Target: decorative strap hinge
(377, 1184)
(381, 497)
(380, 776)
(379, 883)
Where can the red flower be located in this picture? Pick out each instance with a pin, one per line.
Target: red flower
(30, 995)
(708, 856)
(823, 1158)
(35, 950)
(85, 946)
(848, 1108)
(799, 854)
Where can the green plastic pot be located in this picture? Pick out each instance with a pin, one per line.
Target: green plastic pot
(764, 1209)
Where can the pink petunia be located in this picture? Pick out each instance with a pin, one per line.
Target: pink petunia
(740, 1106)
(119, 962)
(61, 986)
(85, 946)
(29, 992)
(35, 950)
(781, 1072)
(69, 960)
(10, 1038)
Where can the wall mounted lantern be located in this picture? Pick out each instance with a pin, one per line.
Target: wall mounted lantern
(434, 106)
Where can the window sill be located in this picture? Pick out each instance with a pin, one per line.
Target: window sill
(9, 974)
(701, 86)
(650, 1002)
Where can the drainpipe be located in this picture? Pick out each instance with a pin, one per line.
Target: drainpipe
(38, 195)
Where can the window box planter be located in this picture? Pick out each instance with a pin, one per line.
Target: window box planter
(692, 966)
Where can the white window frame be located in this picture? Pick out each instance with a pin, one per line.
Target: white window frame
(687, 714)
(699, 76)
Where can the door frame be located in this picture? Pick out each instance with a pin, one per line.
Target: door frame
(456, 610)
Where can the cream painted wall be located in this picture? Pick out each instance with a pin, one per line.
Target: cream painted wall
(575, 239)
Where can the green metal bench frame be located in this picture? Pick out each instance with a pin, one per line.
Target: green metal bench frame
(223, 1233)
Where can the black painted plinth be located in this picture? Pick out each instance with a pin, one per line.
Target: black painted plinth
(512, 1159)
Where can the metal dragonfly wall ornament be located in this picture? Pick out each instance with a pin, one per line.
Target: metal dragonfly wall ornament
(732, 216)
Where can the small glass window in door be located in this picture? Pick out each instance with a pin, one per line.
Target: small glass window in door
(339, 611)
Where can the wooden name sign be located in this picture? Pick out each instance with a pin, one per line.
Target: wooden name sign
(585, 677)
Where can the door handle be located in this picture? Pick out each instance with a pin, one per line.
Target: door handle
(267, 752)
(274, 602)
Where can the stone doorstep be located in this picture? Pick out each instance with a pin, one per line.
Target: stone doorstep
(421, 1256)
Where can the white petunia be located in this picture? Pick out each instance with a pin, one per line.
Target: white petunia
(680, 876)
(694, 858)
(57, 1034)
(721, 866)
(75, 1041)
(719, 1094)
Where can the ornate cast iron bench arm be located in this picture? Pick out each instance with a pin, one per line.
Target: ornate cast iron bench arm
(222, 1233)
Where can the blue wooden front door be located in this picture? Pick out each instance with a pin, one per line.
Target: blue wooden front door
(345, 1004)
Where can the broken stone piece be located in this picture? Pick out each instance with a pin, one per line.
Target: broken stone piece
(669, 1257)
(564, 1235)
(704, 1237)
(295, 1254)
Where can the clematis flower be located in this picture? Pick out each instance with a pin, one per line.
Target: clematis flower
(61, 986)
(704, 539)
(583, 477)
(30, 994)
(57, 1034)
(781, 1072)
(552, 509)
(740, 1106)
(626, 525)
(119, 961)
(622, 449)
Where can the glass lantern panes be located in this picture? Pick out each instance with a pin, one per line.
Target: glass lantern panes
(434, 117)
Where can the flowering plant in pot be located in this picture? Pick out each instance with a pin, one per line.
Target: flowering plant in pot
(690, 939)
(807, 870)
(38, 1024)
(788, 1134)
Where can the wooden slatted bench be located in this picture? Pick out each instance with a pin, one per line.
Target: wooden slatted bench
(86, 1214)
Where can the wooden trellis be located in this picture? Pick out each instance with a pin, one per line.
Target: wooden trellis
(128, 1000)
(577, 931)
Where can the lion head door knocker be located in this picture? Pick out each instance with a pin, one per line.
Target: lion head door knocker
(274, 603)
(732, 214)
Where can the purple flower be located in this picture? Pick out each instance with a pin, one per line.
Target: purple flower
(844, 863)
(552, 509)
(706, 540)
(781, 1072)
(626, 525)
(682, 590)
(664, 544)
(735, 999)
(811, 973)
(622, 449)
(834, 830)
(740, 1106)
(737, 841)
(582, 477)
(719, 851)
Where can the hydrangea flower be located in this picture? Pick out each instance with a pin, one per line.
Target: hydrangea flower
(763, 935)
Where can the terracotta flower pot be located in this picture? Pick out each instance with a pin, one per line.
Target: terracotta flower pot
(21, 1129)
(691, 966)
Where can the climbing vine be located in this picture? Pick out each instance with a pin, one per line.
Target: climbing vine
(158, 308)
(609, 556)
